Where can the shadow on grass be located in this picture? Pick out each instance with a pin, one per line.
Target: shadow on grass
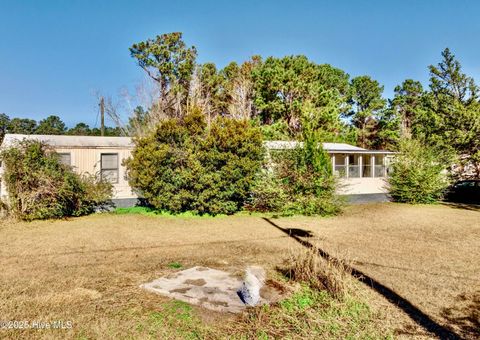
(465, 314)
(297, 232)
(464, 206)
(412, 311)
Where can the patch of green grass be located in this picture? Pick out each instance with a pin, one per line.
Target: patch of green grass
(175, 319)
(175, 265)
(146, 211)
(312, 314)
(308, 313)
(299, 301)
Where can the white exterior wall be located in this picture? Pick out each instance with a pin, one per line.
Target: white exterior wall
(365, 185)
(87, 160)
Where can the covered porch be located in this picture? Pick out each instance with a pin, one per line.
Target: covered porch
(361, 172)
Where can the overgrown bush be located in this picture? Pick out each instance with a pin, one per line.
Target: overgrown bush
(39, 186)
(417, 174)
(267, 194)
(298, 181)
(186, 165)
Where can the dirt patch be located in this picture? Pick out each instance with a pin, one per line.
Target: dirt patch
(274, 291)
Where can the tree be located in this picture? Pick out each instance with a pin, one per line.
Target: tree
(408, 104)
(184, 165)
(447, 79)
(109, 132)
(167, 60)
(4, 123)
(138, 121)
(283, 86)
(238, 94)
(52, 125)
(81, 129)
(452, 116)
(387, 130)
(367, 102)
(212, 89)
(22, 126)
(417, 174)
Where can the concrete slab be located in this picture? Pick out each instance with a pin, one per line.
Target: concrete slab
(210, 288)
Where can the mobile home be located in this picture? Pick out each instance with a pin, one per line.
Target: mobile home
(361, 172)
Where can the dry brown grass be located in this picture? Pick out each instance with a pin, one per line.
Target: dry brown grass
(305, 265)
(427, 254)
(88, 269)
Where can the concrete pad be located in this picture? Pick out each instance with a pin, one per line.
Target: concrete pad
(210, 288)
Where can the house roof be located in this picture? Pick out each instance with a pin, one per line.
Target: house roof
(329, 147)
(63, 141)
(72, 141)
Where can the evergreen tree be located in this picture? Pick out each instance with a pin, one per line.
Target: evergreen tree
(367, 103)
(448, 82)
(452, 118)
(52, 125)
(167, 60)
(4, 123)
(408, 104)
(81, 129)
(22, 126)
(286, 87)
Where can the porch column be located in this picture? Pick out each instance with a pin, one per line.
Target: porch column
(333, 164)
(360, 166)
(373, 165)
(384, 168)
(347, 162)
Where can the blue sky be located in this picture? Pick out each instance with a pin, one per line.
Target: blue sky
(55, 55)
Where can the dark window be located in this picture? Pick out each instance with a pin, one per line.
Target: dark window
(109, 167)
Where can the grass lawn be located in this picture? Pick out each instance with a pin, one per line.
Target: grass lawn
(87, 270)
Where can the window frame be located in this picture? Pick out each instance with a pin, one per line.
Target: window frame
(117, 169)
(60, 154)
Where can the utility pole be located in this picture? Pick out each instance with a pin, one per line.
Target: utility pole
(102, 116)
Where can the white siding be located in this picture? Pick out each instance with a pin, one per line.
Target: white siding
(358, 186)
(87, 160)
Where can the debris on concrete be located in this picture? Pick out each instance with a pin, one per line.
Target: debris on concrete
(253, 281)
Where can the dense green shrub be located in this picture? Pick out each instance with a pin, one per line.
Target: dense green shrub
(39, 186)
(275, 131)
(267, 194)
(298, 181)
(308, 181)
(186, 165)
(417, 174)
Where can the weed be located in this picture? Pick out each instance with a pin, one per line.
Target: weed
(330, 275)
(175, 265)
